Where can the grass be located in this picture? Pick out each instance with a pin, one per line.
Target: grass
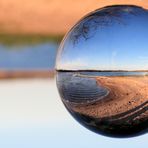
(28, 39)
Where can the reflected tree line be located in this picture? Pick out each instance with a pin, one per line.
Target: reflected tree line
(100, 18)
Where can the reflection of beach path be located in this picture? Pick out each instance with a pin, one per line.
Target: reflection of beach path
(125, 94)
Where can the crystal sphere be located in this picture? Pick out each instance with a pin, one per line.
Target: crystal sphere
(102, 71)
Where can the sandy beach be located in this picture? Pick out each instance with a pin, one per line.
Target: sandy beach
(13, 74)
(127, 94)
(49, 16)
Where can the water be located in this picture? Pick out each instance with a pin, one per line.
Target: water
(116, 73)
(40, 56)
(79, 89)
(109, 103)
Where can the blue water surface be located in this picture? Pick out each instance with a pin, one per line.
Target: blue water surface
(40, 56)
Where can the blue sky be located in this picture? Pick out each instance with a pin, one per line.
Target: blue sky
(114, 47)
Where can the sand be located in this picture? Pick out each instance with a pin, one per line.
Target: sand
(126, 93)
(49, 16)
(10, 74)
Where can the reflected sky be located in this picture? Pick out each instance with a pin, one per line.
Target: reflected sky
(113, 38)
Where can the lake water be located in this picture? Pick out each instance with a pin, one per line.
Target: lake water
(112, 73)
(79, 89)
(40, 56)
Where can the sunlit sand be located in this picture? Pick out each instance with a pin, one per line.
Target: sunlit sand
(125, 94)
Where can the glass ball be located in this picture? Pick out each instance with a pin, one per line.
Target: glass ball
(102, 71)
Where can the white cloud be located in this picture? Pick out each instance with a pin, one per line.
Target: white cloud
(73, 65)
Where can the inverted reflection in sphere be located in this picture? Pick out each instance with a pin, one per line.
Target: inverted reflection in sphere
(102, 71)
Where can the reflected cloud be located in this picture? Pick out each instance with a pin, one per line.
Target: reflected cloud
(78, 64)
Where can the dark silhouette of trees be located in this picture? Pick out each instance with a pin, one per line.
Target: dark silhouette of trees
(100, 18)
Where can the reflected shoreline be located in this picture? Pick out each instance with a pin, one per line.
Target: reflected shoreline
(107, 102)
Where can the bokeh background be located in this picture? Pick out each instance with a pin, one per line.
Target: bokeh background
(31, 113)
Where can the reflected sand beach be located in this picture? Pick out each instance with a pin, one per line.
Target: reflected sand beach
(115, 104)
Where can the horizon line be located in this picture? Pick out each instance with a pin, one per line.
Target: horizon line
(75, 70)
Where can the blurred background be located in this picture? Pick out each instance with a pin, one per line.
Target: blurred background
(31, 113)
